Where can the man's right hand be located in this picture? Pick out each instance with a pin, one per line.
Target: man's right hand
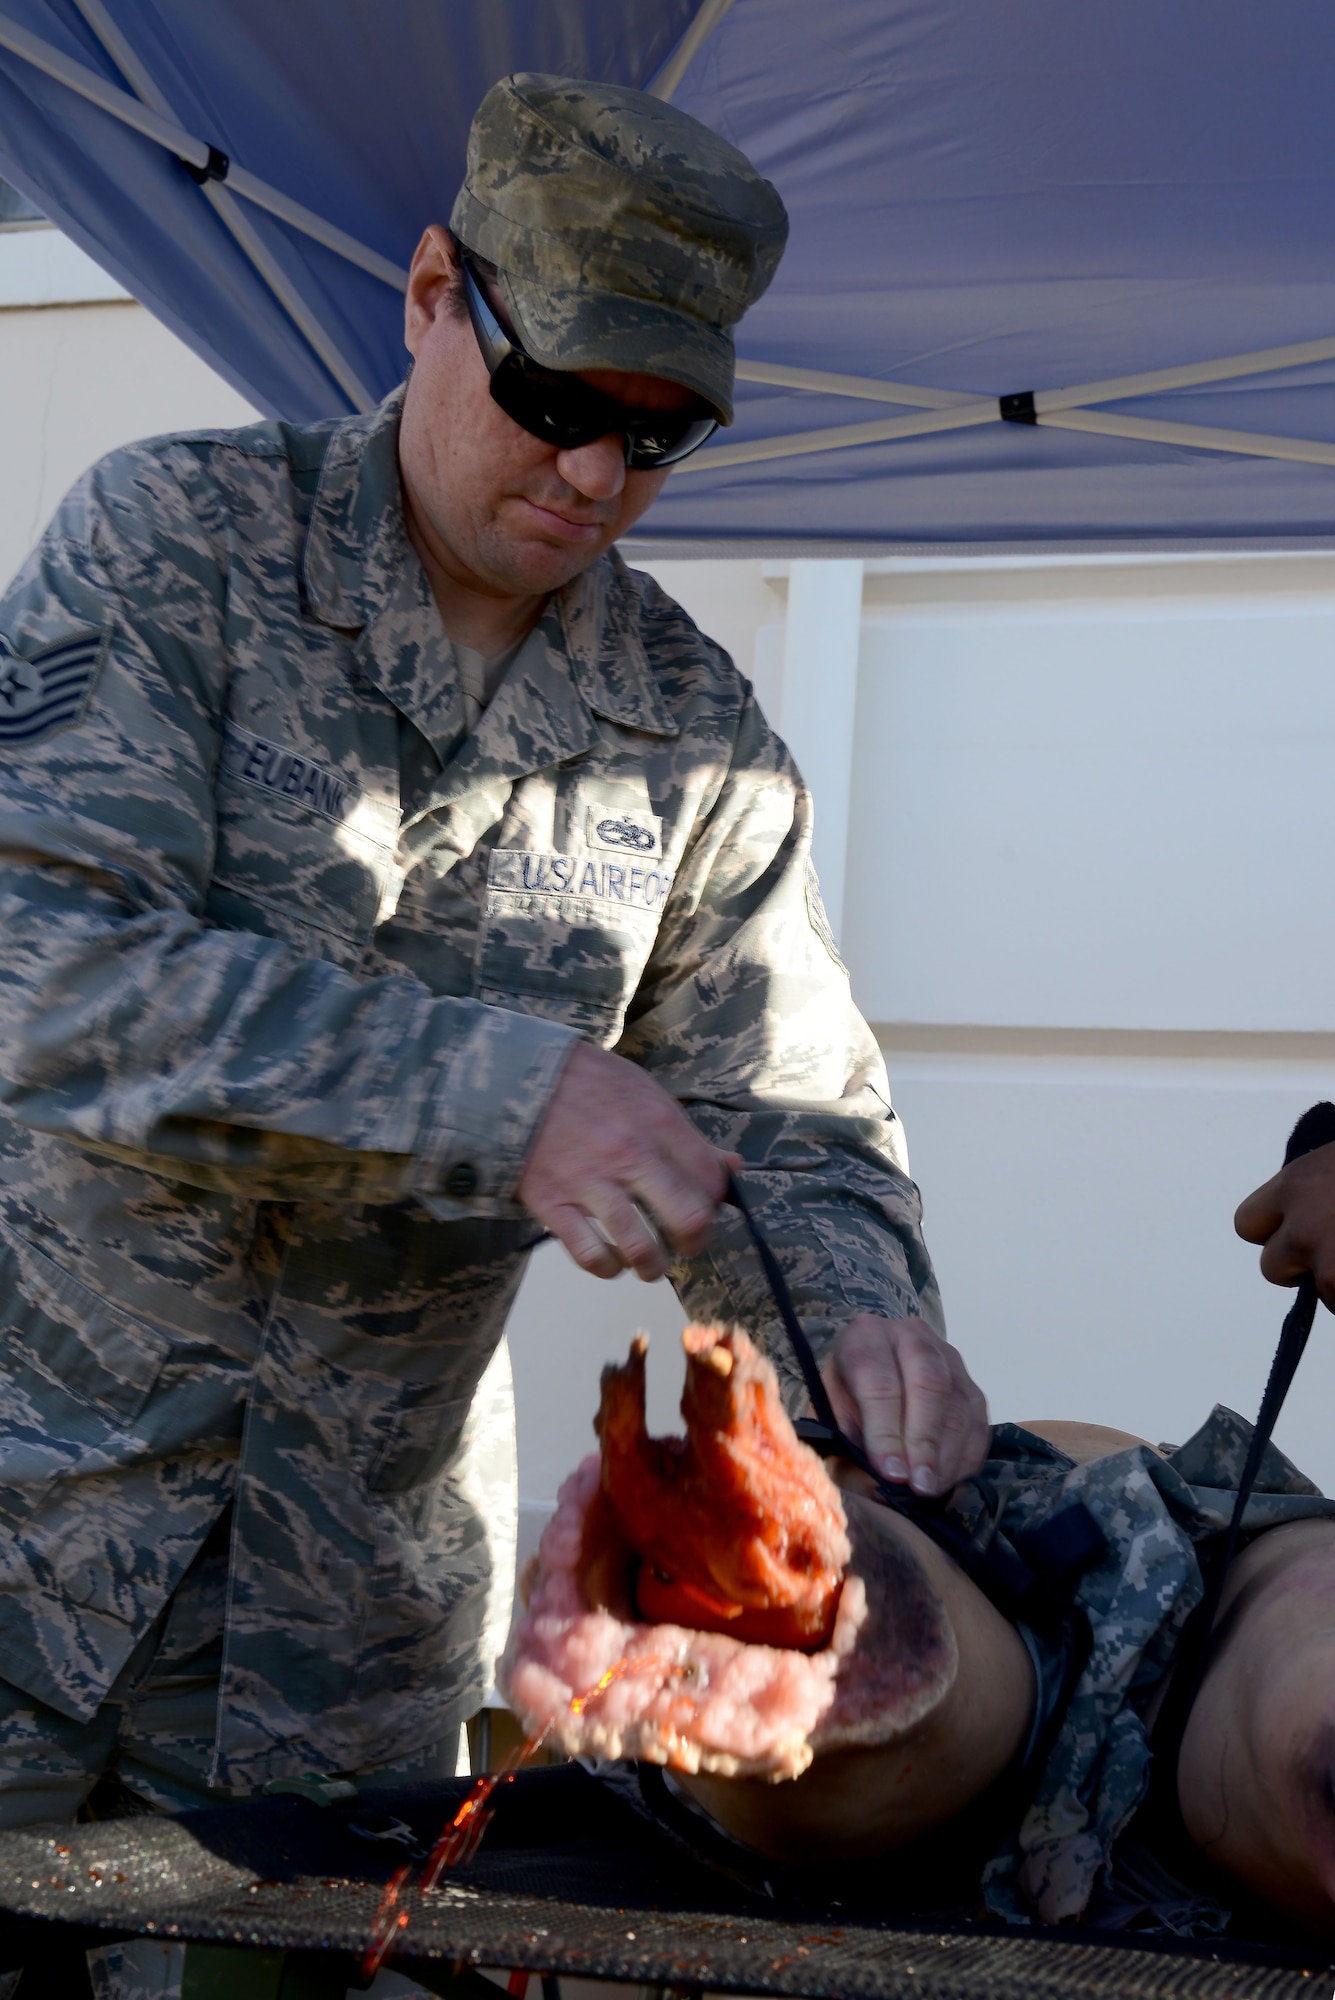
(613, 1144)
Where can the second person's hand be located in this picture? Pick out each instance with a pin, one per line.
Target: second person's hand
(1293, 1217)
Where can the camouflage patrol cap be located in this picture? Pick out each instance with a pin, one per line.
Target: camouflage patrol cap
(627, 235)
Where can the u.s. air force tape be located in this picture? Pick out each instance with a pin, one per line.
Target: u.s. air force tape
(47, 689)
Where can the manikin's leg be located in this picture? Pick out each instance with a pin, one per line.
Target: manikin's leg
(917, 1699)
(1256, 1775)
(973, 1698)
(860, 1801)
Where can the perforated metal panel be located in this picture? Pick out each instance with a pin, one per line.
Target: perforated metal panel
(570, 1882)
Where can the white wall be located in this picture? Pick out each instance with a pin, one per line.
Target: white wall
(1079, 1211)
(81, 371)
(1089, 906)
(1090, 808)
(1104, 821)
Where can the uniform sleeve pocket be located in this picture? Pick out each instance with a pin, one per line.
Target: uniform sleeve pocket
(75, 1372)
(422, 1443)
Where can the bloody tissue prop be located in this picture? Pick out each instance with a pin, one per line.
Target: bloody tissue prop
(717, 1562)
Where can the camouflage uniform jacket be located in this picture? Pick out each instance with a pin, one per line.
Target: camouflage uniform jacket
(292, 965)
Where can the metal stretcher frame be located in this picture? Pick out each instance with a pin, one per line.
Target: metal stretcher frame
(567, 1884)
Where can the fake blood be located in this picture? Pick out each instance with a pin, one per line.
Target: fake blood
(461, 1837)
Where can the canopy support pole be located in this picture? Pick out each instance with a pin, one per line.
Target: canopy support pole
(1061, 408)
(866, 388)
(1198, 437)
(978, 410)
(710, 13)
(231, 216)
(173, 138)
(1188, 375)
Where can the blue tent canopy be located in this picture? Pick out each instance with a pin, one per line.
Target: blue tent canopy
(1060, 273)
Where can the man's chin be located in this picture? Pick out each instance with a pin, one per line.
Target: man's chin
(533, 567)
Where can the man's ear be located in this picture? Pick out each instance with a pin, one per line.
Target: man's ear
(432, 279)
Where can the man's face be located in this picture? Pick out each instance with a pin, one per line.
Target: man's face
(499, 510)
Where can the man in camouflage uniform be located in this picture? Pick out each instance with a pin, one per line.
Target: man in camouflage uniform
(359, 803)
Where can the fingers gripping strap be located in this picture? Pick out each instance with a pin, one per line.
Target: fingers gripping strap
(1315, 1128)
(997, 1569)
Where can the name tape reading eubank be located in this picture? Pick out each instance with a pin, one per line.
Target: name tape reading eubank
(272, 767)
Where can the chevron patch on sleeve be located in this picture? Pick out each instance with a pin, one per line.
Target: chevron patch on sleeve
(46, 690)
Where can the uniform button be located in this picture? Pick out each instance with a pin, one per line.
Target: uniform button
(461, 1180)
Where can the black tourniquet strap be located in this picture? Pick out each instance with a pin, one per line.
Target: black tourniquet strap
(1031, 1585)
(1315, 1128)
(792, 1326)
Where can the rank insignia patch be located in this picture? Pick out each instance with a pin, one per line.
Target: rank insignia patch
(47, 690)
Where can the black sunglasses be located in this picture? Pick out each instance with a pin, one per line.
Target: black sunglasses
(565, 412)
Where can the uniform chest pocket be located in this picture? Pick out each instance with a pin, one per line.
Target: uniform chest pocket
(568, 936)
(299, 854)
(75, 1373)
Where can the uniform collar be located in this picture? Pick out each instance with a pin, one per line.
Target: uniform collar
(600, 620)
(356, 538)
(362, 575)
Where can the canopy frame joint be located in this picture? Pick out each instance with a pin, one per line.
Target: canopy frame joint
(215, 168)
(1019, 408)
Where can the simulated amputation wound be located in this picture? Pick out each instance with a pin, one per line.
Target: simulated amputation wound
(738, 1527)
(706, 1573)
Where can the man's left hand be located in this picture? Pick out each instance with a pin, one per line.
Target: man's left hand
(904, 1394)
(1293, 1215)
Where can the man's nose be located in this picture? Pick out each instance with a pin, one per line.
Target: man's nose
(596, 470)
